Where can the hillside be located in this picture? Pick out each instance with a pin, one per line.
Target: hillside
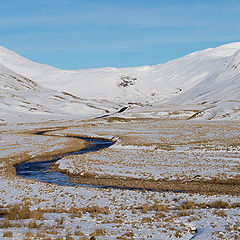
(210, 78)
(24, 100)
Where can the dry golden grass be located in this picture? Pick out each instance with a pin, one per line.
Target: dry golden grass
(220, 213)
(29, 234)
(179, 234)
(41, 234)
(22, 211)
(96, 209)
(8, 234)
(98, 232)
(194, 186)
(160, 215)
(183, 213)
(146, 220)
(218, 204)
(188, 205)
(78, 233)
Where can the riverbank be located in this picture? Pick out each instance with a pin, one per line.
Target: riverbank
(23, 146)
(40, 169)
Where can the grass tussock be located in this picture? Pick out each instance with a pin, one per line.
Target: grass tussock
(98, 232)
(29, 234)
(160, 215)
(145, 208)
(179, 234)
(79, 233)
(33, 224)
(22, 211)
(220, 213)
(146, 220)
(69, 236)
(218, 204)
(40, 235)
(183, 213)
(8, 234)
(97, 210)
(6, 223)
(188, 205)
(53, 232)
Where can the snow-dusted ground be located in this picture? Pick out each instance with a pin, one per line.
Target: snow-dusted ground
(160, 149)
(124, 214)
(119, 213)
(110, 213)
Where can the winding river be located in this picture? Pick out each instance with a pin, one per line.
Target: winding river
(40, 170)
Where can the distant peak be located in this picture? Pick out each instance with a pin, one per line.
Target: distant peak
(231, 45)
(226, 50)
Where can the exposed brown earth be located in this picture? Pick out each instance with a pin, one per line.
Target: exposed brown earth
(211, 187)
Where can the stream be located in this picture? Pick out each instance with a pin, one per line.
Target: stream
(40, 170)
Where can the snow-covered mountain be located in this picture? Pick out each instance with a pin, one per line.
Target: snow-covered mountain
(210, 77)
(21, 98)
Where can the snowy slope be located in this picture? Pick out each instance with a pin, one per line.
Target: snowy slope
(207, 77)
(21, 98)
(220, 89)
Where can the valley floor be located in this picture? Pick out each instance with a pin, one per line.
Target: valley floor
(157, 153)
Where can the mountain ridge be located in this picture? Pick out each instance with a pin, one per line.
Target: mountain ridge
(209, 76)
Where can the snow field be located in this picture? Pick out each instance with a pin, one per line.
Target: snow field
(159, 149)
(116, 214)
(48, 211)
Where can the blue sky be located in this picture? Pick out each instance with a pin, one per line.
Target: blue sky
(74, 34)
